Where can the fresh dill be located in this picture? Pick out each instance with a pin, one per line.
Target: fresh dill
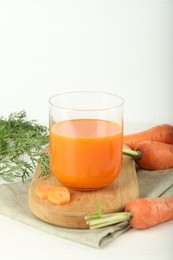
(21, 147)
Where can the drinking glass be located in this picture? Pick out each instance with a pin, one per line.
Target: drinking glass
(86, 138)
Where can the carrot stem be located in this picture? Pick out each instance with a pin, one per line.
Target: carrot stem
(95, 221)
(91, 217)
(132, 153)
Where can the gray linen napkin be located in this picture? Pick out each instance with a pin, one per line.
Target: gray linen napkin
(14, 204)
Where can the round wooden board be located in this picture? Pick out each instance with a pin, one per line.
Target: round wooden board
(113, 197)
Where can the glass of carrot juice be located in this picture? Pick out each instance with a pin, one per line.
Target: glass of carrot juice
(86, 137)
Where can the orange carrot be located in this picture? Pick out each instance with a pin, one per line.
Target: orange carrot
(141, 213)
(155, 155)
(148, 212)
(59, 195)
(55, 194)
(161, 133)
(152, 155)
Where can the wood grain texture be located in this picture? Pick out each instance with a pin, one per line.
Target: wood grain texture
(114, 197)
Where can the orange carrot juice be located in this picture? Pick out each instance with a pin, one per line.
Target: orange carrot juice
(86, 154)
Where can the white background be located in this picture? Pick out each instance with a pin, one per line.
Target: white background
(117, 46)
(122, 47)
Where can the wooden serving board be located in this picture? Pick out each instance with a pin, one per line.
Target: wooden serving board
(113, 197)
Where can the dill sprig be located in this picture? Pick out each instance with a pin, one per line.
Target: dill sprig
(21, 146)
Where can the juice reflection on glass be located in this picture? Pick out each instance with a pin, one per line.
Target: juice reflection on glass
(85, 153)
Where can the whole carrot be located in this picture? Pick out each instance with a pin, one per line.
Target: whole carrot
(151, 155)
(141, 213)
(148, 212)
(161, 133)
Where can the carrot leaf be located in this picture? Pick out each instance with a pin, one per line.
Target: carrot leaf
(21, 146)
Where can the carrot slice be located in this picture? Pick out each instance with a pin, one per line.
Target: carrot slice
(58, 195)
(41, 190)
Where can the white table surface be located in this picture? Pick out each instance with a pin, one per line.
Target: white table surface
(20, 241)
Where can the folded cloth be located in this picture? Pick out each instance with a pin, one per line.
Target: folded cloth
(14, 204)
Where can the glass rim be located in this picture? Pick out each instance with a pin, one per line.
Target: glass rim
(87, 91)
